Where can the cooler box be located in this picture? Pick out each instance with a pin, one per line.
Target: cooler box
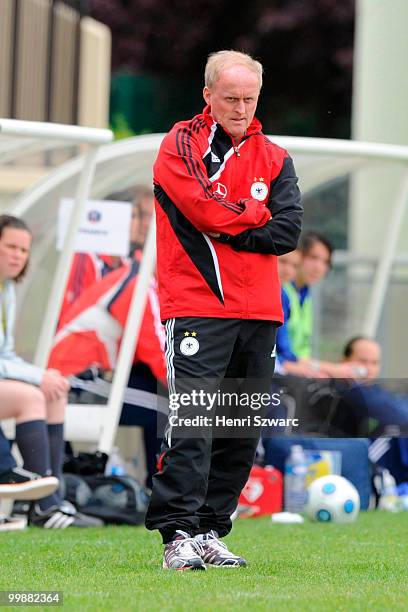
(262, 493)
(355, 465)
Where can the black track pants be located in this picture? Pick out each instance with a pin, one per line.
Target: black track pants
(200, 479)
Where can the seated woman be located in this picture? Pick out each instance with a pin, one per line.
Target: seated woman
(34, 397)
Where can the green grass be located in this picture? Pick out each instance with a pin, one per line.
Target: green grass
(363, 566)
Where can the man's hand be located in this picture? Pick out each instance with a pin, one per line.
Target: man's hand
(54, 385)
(213, 234)
(306, 368)
(347, 370)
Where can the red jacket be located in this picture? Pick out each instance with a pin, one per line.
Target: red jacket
(91, 331)
(86, 269)
(248, 195)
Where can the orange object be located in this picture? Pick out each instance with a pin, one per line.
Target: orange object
(262, 493)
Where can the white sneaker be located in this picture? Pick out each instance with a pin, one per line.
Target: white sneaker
(215, 553)
(21, 484)
(9, 523)
(183, 553)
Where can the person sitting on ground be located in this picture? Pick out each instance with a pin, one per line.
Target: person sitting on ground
(89, 268)
(34, 397)
(294, 337)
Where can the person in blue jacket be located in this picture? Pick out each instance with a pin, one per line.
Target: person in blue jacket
(294, 337)
(366, 400)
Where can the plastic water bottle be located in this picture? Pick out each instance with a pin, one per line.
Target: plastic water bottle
(389, 496)
(295, 480)
(115, 465)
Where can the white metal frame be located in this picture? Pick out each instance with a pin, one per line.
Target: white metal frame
(360, 151)
(355, 154)
(346, 156)
(31, 136)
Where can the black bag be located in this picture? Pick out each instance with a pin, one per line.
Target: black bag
(118, 500)
(85, 464)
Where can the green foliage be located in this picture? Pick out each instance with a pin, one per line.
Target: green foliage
(120, 127)
(306, 47)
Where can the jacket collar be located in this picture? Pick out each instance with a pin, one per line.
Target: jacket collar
(254, 128)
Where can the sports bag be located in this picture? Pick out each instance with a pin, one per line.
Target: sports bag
(118, 500)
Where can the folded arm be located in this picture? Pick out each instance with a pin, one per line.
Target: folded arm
(280, 234)
(180, 173)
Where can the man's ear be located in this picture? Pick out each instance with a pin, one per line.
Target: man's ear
(207, 95)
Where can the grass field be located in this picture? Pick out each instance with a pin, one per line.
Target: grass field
(363, 566)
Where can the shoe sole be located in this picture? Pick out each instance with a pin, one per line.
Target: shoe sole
(182, 569)
(33, 489)
(224, 566)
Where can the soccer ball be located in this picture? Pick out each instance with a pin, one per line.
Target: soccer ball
(332, 499)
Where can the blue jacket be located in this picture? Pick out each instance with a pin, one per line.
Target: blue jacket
(284, 347)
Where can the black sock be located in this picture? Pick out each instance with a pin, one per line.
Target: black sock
(32, 442)
(56, 443)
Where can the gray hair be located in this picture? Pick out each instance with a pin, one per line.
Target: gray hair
(220, 60)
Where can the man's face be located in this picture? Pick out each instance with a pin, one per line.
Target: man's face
(233, 99)
(288, 265)
(315, 264)
(141, 216)
(367, 353)
(14, 252)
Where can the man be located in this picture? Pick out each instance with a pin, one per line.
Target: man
(366, 353)
(227, 203)
(366, 399)
(385, 412)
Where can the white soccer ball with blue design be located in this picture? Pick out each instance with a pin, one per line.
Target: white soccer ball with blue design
(332, 499)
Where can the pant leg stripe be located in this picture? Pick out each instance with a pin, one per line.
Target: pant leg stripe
(170, 354)
(170, 368)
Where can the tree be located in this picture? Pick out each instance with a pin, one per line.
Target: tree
(306, 47)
